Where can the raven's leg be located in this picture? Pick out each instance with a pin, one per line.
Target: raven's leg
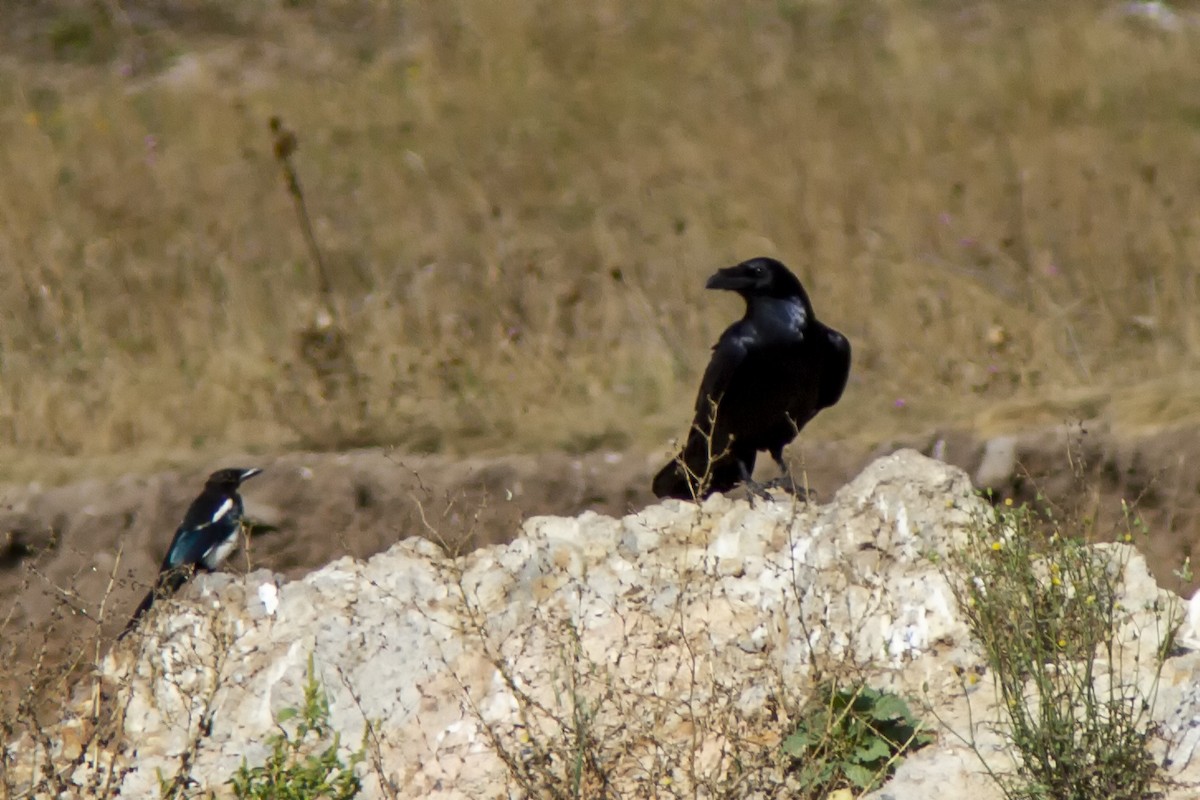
(753, 487)
(785, 480)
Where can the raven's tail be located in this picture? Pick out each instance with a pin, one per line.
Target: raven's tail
(671, 481)
(697, 472)
(690, 474)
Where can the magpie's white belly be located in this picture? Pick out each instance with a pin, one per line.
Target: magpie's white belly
(219, 552)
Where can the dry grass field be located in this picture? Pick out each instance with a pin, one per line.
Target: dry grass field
(519, 203)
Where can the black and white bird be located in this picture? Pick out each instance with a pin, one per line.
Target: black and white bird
(770, 373)
(205, 538)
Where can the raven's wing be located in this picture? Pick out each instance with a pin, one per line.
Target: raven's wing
(727, 355)
(835, 368)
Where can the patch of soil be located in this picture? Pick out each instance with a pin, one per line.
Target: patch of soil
(74, 560)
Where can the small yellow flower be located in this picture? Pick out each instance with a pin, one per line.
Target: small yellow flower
(1008, 501)
(1062, 642)
(1128, 538)
(1091, 598)
(997, 546)
(1055, 581)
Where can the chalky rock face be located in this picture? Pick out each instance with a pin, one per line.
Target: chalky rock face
(669, 639)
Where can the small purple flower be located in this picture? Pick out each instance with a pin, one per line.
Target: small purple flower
(945, 218)
(968, 241)
(1052, 270)
(993, 369)
(899, 402)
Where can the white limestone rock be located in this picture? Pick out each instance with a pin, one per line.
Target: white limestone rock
(674, 641)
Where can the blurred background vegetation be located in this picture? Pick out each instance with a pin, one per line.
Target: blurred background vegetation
(519, 202)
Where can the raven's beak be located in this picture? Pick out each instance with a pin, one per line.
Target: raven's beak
(734, 279)
(250, 473)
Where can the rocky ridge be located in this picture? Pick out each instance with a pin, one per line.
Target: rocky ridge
(667, 651)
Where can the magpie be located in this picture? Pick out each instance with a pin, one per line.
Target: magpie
(770, 373)
(207, 535)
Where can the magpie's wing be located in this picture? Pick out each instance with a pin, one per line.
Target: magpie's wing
(835, 368)
(209, 520)
(210, 508)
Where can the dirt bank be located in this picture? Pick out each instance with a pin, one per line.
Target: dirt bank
(74, 559)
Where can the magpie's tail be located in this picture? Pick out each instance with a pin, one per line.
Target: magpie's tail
(142, 608)
(167, 584)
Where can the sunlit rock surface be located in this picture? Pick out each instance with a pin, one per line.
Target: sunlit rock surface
(669, 646)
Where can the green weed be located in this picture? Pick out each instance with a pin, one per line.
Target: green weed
(1046, 608)
(304, 762)
(852, 737)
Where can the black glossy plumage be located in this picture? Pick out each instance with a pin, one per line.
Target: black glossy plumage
(207, 535)
(770, 373)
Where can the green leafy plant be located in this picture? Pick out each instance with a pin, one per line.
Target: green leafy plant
(852, 737)
(1045, 606)
(304, 763)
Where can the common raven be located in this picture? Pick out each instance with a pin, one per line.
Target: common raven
(206, 536)
(770, 373)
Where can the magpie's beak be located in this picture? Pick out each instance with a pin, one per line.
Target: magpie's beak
(249, 473)
(733, 279)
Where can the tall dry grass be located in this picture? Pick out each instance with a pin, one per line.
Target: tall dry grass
(520, 201)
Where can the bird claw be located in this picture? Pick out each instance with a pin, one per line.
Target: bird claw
(760, 490)
(788, 485)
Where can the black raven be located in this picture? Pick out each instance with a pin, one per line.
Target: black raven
(206, 536)
(770, 373)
